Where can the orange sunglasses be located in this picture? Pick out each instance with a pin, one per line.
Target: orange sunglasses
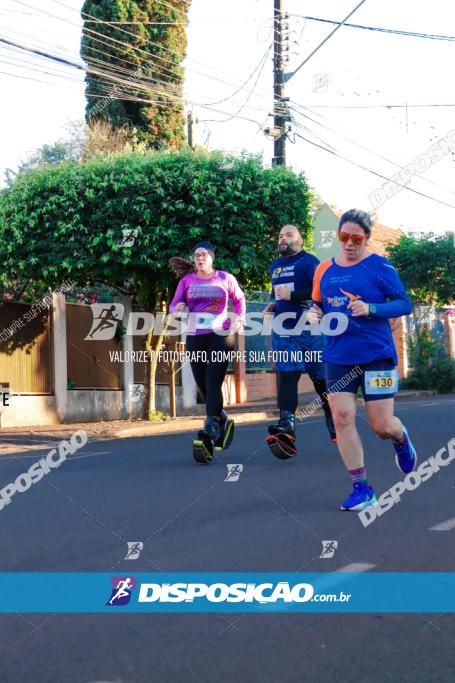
(356, 239)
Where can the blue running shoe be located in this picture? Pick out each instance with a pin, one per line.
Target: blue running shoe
(362, 495)
(406, 456)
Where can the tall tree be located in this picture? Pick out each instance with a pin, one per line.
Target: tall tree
(134, 73)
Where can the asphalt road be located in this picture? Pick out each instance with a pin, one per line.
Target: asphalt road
(273, 518)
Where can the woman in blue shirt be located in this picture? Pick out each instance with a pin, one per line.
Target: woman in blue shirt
(366, 288)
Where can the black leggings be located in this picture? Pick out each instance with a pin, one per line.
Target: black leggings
(209, 374)
(288, 395)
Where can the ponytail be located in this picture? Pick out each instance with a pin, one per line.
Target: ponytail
(181, 266)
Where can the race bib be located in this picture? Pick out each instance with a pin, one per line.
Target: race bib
(381, 381)
(284, 284)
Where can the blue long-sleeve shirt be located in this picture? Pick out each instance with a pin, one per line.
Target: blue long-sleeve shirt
(373, 281)
(297, 273)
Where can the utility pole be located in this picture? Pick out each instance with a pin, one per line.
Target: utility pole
(279, 103)
(190, 121)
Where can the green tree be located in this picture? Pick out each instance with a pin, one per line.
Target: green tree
(71, 220)
(426, 264)
(134, 74)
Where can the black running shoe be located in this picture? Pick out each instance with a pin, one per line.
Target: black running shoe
(281, 439)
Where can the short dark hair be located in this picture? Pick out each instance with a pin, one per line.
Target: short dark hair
(361, 218)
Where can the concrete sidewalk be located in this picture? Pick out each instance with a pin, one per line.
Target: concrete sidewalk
(19, 439)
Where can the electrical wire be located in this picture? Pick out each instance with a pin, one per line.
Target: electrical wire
(378, 106)
(375, 173)
(158, 45)
(119, 80)
(318, 47)
(367, 149)
(258, 66)
(412, 34)
(264, 59)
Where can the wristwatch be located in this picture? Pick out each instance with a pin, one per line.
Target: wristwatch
(371, 310)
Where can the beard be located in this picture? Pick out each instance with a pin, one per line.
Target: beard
(288, 249)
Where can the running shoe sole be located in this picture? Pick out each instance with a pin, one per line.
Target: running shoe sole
(360, 506)
(397, 463)
(397, 460)
(227, 438)
(203, 451)
(282, 446)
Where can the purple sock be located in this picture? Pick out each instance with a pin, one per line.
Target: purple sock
(359, 476)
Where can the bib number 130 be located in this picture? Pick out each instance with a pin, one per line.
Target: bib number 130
(381, 381)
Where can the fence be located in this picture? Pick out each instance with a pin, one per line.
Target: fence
(435, 320)
(25, 356)
(163, 372)
(89, 363)
(257, 346)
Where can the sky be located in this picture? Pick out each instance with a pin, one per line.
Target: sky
(349, 89)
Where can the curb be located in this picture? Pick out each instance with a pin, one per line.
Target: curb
(246, 417)
(26, 438)
(190, 424)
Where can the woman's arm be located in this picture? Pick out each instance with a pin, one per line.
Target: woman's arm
(397, 306)
(237, 297)
(179, 296)
(399, 302)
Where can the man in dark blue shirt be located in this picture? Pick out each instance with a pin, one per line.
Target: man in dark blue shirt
(295, 351)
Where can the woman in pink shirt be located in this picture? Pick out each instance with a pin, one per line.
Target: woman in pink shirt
(205, 293)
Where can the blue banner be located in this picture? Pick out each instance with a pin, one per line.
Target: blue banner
(329, 592)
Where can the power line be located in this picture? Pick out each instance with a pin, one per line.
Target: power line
(367, 149)
(377, 106)
(37, 80)
(32, 66)
(118, 80)
(318, 47)
(375, 173)
(123, 44)
(258, 66)
(109, 75)
(264, 60)
(174, 52)
(41, 53)
(205, 75)
(412, 34)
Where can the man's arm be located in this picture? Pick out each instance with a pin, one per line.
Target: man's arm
(304, 290)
